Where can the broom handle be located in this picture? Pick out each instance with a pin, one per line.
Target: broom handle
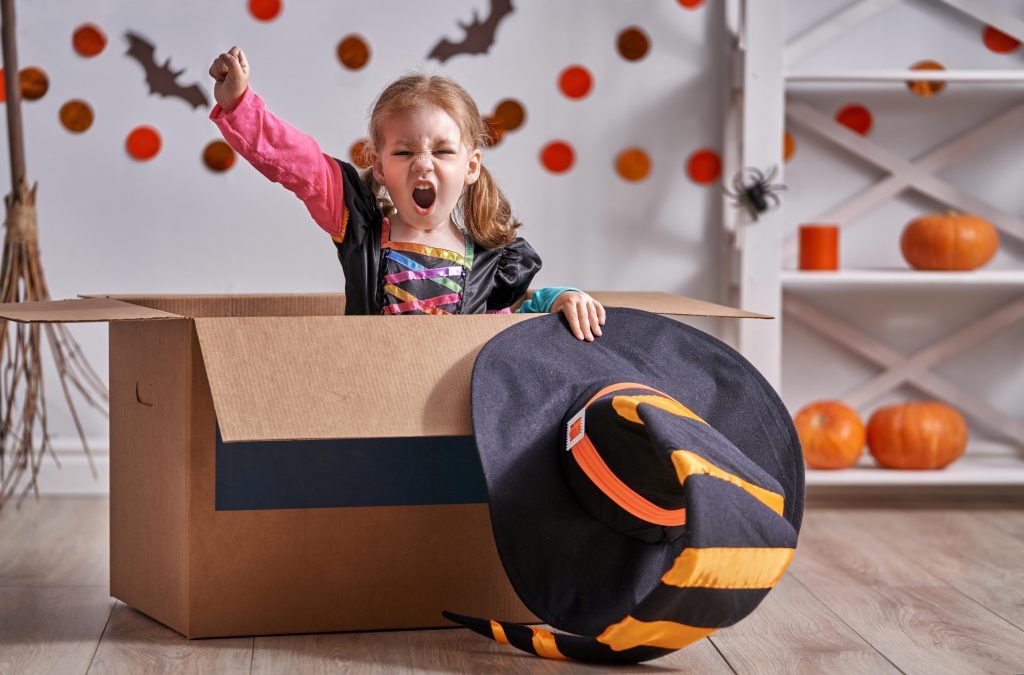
(15, 134)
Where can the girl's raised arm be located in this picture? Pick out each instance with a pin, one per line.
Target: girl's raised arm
(276, 149)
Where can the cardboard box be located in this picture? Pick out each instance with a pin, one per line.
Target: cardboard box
(277, 467)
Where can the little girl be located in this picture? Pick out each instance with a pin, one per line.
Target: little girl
(401, 250)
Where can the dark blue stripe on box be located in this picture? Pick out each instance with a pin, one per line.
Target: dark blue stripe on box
(348, 472)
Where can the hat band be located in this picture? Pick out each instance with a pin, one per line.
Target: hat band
(595, 468)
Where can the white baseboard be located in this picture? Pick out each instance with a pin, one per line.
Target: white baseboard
(74, 475)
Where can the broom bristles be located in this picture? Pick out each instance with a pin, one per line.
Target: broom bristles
(22, 391)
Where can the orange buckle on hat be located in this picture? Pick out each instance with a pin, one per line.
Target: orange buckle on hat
(592, 464)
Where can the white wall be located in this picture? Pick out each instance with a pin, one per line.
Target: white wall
(111, 224)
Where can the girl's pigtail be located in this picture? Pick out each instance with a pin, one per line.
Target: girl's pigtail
(487, 213)
(378, 192)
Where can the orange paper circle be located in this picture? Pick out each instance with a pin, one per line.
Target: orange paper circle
(926, 88)
(509, 114)
(88, 40)
(218, 156)
(557, 157)
(633, 164)
(3, 86)
(856, 118)
(575, 82)
(704, 166)
(691, 4)
(998, 41)
(788, 146)
(360, 153)
(633, 43)
(76, 116)
(34, 83)
(143, 143)
(353, 52)
(264, 10)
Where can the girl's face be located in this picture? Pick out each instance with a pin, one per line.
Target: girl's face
(425, 165)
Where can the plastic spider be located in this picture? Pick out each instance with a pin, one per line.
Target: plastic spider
(755, 191)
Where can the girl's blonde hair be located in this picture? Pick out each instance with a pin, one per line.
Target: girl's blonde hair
(486, 211)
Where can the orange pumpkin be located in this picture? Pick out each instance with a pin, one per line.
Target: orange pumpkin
(949, 241)
(919, 435)
(831, 433)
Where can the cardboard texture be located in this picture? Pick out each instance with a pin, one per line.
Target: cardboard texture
(277, 467)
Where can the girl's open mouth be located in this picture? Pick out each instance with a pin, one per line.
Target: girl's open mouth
(424, 196)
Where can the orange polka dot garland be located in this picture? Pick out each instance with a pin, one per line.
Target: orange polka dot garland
(34, 83)
(704, 166)
(926, 87)
(788, 146)
(855, 117)
(557, 157)
(633, 43)
(575, 82)
(691, 4)
(509, 114)
(76, 116)
(143, 143)
(633, 164)
(998, 41)
(3, 87)
(88, 40)
(264, 10)
(218, 156)
(353, 52)
(359, 153)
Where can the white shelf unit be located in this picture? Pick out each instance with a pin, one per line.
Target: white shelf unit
(906, 278)
(982, 466)
(757, 255)
(849, 76)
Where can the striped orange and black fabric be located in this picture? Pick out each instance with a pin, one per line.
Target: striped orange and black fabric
(738, 547)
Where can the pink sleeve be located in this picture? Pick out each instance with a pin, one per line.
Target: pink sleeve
(287, 156)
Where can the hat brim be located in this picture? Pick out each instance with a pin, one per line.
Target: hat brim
(569, 569)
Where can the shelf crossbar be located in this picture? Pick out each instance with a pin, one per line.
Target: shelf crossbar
(899, 76)
(990, 13)
(826, 32)
(847, 278)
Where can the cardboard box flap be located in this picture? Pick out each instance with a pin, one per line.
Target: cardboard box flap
(667, 303)
(79, 310)
(316, 377)
(240, 304)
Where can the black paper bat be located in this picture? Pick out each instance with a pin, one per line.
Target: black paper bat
(479, 34)
(161, 79)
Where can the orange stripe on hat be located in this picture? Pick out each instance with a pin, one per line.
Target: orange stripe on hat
(544, 644)
(631, 632)
(688, 464)
(729, 567)
(498, 631)
(626, 406)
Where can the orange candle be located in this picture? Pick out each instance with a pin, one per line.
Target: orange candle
(819, 247)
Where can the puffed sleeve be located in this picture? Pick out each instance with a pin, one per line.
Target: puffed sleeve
(517, 266)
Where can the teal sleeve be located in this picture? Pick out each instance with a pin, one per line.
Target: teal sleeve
(541, 300)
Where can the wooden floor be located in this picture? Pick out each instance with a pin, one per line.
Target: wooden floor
(874, 590)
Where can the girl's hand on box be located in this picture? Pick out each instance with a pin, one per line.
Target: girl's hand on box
(231, 72)
(584, 313)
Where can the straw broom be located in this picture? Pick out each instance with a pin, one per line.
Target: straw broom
(24, 435)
